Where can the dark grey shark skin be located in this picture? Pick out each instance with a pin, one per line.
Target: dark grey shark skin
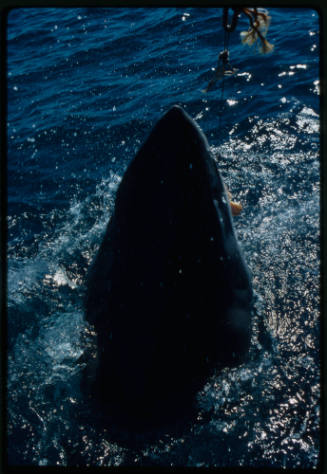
(169, 292)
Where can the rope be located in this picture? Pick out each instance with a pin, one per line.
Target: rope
(224, 55)
(226, 45)
(230, 28)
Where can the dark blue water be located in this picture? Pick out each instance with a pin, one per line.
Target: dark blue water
(85, 86)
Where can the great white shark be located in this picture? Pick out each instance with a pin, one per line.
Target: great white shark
(169, 293)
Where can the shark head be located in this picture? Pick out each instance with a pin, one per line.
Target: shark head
(169, 292)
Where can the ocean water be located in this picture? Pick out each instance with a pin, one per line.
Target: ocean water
(85, 86)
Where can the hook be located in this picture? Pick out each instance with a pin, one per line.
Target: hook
(232, 26)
